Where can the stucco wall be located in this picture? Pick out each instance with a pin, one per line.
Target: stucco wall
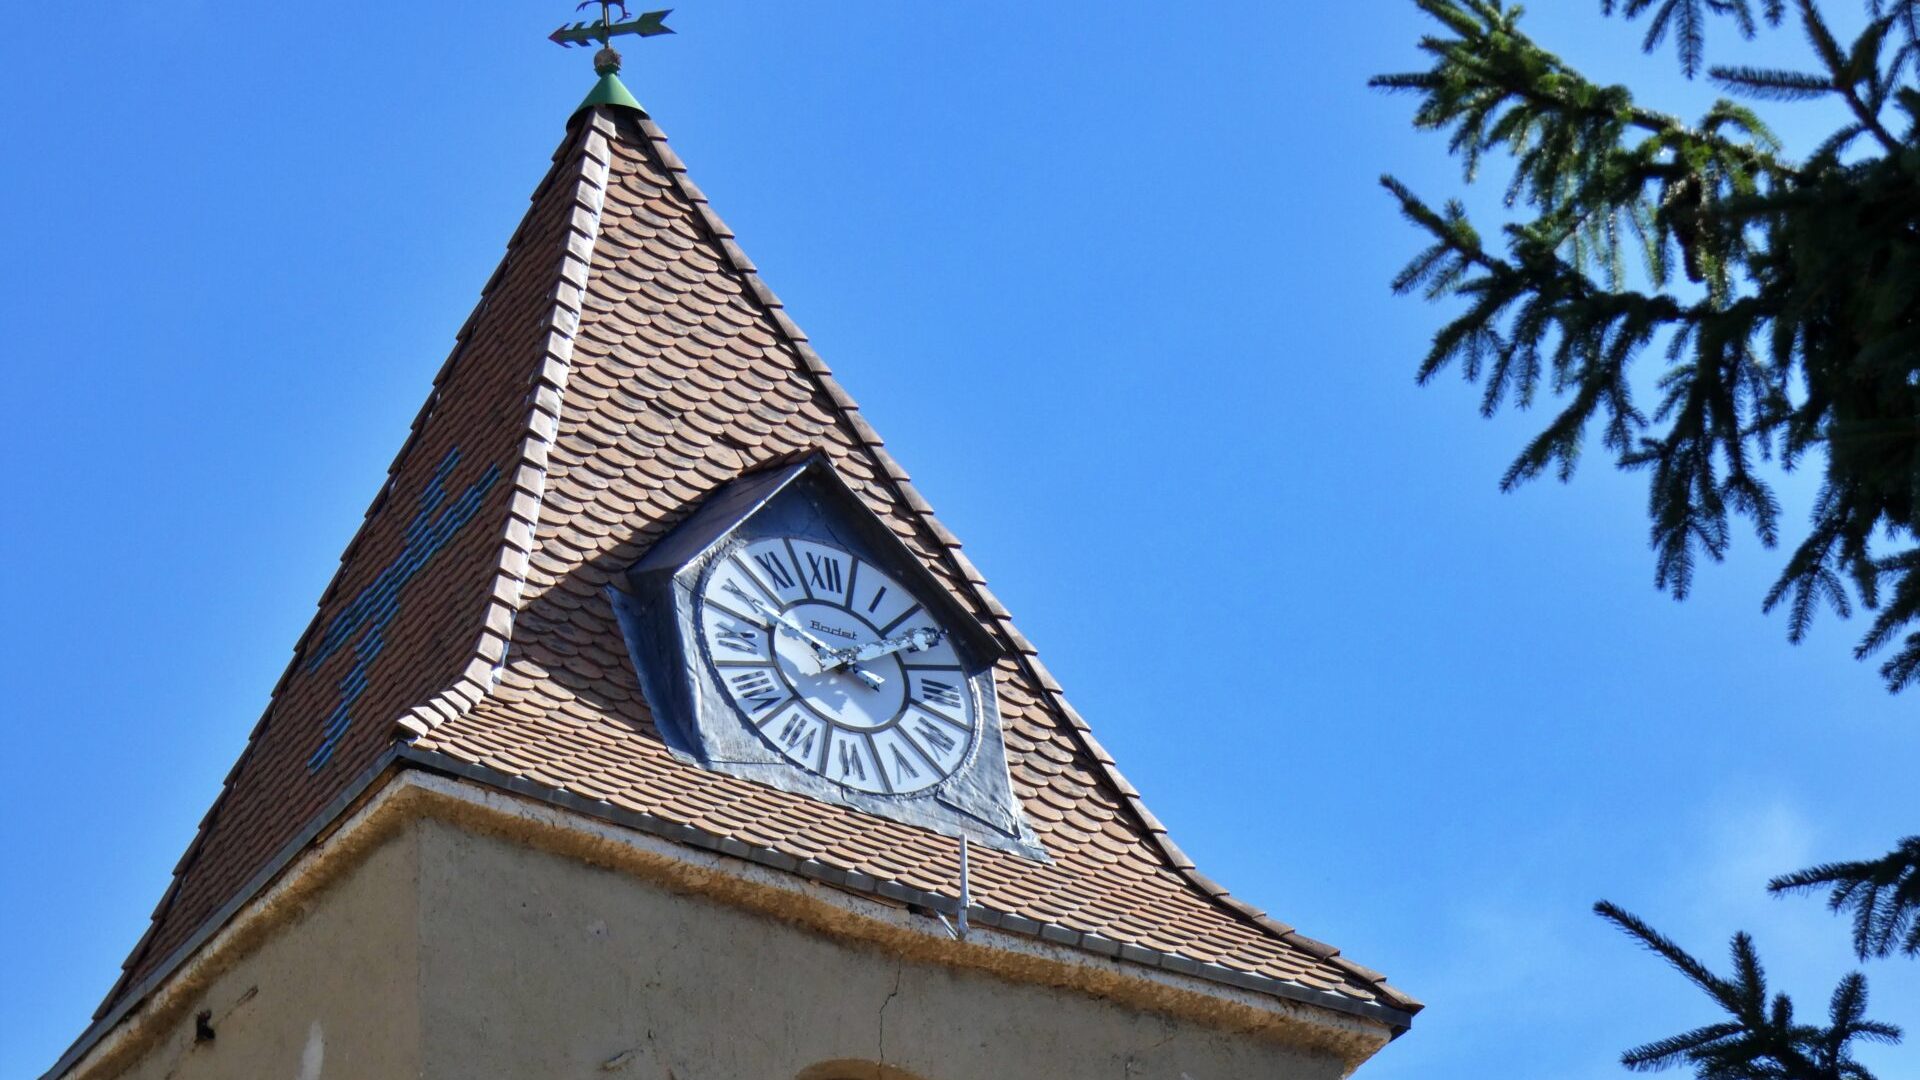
(453, 933)
(537, 965)
(333, 991)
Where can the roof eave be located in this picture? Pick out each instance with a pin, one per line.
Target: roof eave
(321, 824)
(1397, 1020)
(403, 757)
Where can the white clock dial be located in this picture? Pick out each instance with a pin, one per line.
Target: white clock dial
(837, 666)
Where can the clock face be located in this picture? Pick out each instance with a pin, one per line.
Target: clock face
(837, 666)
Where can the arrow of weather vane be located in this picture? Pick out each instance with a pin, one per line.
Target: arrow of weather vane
(649, 24)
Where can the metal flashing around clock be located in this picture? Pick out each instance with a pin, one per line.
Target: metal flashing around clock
(784, 634)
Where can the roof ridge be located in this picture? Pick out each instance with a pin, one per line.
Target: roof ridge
(460, 695)
(1026, 653)
(528, 482)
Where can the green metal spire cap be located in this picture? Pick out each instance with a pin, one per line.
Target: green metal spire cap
(610, 91)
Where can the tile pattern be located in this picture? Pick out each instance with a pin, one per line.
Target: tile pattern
(624, 362)
(365, 620)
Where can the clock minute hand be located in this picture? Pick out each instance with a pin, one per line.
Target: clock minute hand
(915, 640)
(821, 650)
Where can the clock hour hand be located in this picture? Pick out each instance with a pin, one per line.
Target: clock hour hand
(916, 640)
(821, 650)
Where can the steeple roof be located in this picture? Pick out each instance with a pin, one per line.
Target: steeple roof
(624, 361)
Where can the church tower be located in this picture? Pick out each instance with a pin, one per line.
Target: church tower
(654, 727)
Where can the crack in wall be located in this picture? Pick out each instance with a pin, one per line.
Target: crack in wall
(880, 1056)
(1128, 1066)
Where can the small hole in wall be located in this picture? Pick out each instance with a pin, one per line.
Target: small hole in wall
(203, 1026)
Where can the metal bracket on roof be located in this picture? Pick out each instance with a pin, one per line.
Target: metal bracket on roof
(958, 927)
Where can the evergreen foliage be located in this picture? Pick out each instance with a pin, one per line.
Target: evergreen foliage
(1779, 301)
(1761, 1039)
(1780, 297)
(1884, 894)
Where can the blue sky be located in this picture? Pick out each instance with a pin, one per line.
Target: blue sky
(1111, 279)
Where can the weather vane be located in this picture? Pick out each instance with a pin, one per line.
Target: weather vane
(648, 24)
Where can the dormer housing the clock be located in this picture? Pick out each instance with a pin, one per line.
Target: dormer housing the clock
(503, 815)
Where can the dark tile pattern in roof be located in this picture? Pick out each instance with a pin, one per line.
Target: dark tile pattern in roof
(624, 362)
(479, 406)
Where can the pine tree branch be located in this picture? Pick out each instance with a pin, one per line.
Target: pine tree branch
(1760, 1039)
(1773, 84)
(1495, 55)
(1845, 81)
(1882, 893)
(1805, 337)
